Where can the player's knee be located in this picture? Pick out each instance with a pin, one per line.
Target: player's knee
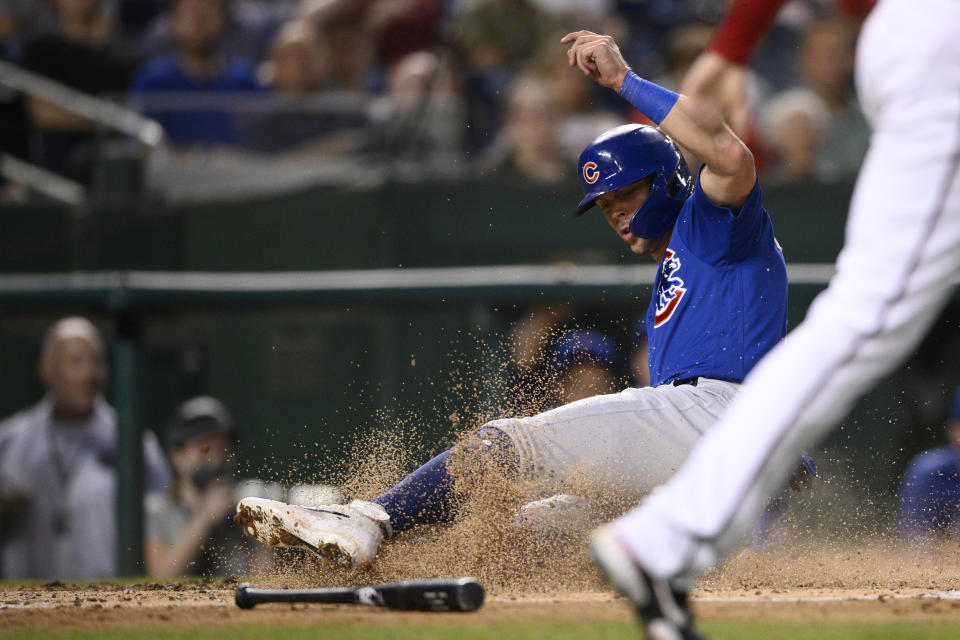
(491, 447)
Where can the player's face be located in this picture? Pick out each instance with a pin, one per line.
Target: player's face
(618, 208)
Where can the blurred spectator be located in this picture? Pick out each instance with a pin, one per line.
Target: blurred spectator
(496, 33)
(402, 27)
(79, 54)
(640, 354)
(190, 530)
(527, 148)
(247, 32)
(529, 375)
(298, 63)
(826, 59)
(421, 116)
(584, 362)
(837, 129)
(198, 66)
(22, 20)
(298, 69)
(581, 114)
(495, 37)
(349, 42)
(930, 489)
(57, 477)
(599, 16)
(681, 48)
(793, 124)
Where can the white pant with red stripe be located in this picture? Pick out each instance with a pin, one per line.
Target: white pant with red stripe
(894, 276)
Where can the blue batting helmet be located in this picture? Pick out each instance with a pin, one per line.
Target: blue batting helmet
(630, 153)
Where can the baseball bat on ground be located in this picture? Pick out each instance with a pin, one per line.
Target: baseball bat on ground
(437, 594)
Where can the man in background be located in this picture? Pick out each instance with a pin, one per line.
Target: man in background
(57, 459)
(197, 66)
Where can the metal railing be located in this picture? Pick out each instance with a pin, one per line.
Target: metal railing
(103, 113)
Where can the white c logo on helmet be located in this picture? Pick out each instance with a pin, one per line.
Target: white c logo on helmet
(590, 173)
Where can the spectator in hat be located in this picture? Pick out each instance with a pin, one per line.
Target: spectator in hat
(584, 360)
(930, 489)
(189, 531)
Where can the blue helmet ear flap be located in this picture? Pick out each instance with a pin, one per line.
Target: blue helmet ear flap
(658, 213)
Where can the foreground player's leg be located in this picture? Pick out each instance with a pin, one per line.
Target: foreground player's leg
(351, 534)
(894, 276)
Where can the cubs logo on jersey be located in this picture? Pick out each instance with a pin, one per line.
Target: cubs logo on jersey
(590, 172)
(669, 291)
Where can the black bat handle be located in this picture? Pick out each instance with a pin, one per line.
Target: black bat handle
(248, 597)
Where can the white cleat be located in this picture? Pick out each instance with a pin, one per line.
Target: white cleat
(347, 534)
(663, 610)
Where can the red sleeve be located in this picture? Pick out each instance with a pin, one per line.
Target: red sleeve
(744, 25)
(856, 9)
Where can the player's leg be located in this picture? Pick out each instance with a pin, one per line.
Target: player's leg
(623, 443)
(429, 495)
(894, 276)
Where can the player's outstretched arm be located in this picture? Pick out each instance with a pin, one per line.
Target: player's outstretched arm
(699, 126)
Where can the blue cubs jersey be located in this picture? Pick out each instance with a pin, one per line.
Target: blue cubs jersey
(720, 298)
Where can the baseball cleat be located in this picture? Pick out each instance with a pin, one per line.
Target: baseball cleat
(347, 534)
(662, 610)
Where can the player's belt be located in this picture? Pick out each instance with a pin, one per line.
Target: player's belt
(693, 381)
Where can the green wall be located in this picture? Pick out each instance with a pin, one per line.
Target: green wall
(341, 228)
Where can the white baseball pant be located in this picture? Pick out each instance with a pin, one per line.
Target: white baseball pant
(616, 446)
(894, 276)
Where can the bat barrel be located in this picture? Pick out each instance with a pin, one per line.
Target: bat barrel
(438, 594)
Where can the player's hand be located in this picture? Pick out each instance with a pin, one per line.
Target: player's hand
(598, 57)
(713, 78)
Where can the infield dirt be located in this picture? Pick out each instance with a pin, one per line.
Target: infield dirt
(869, 583)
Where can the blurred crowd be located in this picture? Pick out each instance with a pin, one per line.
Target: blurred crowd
(472, 88)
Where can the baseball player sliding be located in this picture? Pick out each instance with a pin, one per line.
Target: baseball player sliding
(719, 305)
(894, 275)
